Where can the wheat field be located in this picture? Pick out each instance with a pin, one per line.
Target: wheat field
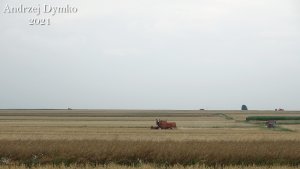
(32, 152)
(122, 138)
(144, 166)
(135, 125)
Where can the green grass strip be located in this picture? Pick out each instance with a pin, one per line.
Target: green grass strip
(265, 118)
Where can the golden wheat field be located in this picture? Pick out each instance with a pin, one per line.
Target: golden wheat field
(123, 139)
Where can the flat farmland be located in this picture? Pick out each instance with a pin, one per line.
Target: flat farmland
(123, 138)
(135, 125)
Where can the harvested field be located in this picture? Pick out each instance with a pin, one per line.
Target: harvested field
(124, 137)
(135, 124)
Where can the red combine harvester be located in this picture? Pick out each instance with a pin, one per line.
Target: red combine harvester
(163, 124)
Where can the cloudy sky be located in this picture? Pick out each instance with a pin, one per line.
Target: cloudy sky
(153, 54)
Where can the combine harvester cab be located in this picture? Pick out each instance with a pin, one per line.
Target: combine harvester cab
(164, 124)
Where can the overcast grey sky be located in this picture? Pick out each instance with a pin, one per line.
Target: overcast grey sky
(155, 54)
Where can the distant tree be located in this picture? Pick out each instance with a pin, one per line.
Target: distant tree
(244, 107)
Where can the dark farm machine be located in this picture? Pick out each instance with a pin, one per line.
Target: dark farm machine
(164, 124)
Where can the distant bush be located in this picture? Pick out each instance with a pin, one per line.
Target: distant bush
(244, 107)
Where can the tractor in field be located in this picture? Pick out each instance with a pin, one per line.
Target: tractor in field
(271, 123)
(164, 124)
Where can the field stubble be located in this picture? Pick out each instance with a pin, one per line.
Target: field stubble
(134, 125)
